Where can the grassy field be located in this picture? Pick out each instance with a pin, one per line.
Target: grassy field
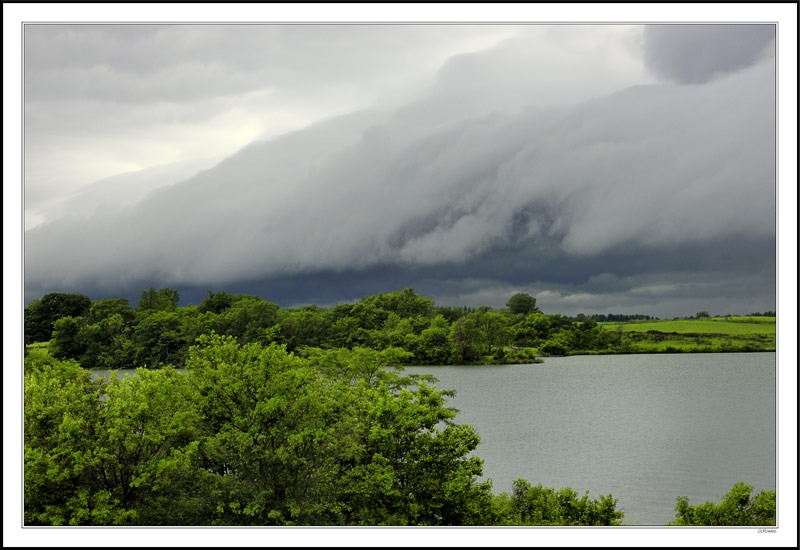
(712, 334)
(39, 345)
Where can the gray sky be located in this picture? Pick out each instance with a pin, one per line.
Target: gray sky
(615, 168)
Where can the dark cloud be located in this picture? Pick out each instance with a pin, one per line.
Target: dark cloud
(693, 54)
(653, 197)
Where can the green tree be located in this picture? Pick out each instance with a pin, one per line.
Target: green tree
(737, 507)
(107, 344)
(306, 326)
(158, 340)
(537, 505)
(149, 449)
(465, 336)
(582, 336)
(521, 304)
(247, 319)
(66, 343)
(496, 333)
(41, 314)
(330, 441)
(557, 344)
(359, 364)
(103, 309)
(435, 345)
(63, 409)
(165, 299)
(273, 433)
(111, 452)
(346, 332)
(216, 302)
(534, 329)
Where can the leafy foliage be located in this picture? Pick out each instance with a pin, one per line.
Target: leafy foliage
(254, 435)
(522, 304)
(41, 314)
(737, 507)
(249, 435)
(529, 505)
(109, 334)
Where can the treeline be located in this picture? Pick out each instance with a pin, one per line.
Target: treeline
(707, 315)
(254, 435)
(111, 334)
(619, 317)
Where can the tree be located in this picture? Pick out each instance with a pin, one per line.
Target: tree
(358, 364)
(479, 334)
(165, 299)
(41, 314)
(246, 319)
(103, 309)
(529, 505)
(737, 507)
(495, 330)
(63, 406)
(435, 345)
(465, 337)
(66, 343)
(158, 340)
(306, 326)
(106, 344)
(324, 441)
(522, 304)
(557, 344)
(216, 302)
(532, 330)
(111, 451)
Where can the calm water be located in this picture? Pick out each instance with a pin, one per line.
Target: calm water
(645, 428)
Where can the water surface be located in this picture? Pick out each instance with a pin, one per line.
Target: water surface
(645, 428)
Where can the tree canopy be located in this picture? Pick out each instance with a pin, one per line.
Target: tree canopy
(250, 435)
(522, 304)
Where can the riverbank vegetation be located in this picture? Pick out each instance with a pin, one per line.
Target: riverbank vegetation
(737, 508)
(112, 334)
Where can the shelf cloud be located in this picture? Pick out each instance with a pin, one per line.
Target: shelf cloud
(599, 168)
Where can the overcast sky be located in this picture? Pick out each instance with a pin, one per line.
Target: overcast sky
(615, 168)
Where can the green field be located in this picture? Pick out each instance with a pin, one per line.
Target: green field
(38, 345)
(713, 334)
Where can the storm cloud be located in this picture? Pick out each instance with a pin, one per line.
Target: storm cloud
(556, 162)
(696, 53)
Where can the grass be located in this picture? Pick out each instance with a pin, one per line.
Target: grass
(712, 334)
(38, 345)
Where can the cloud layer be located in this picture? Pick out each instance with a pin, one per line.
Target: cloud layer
(552, 163)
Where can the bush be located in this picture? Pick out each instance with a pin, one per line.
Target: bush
(737, 507)
(529, 505)
(249, 435)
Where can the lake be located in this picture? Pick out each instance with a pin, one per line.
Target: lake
(645, 428)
